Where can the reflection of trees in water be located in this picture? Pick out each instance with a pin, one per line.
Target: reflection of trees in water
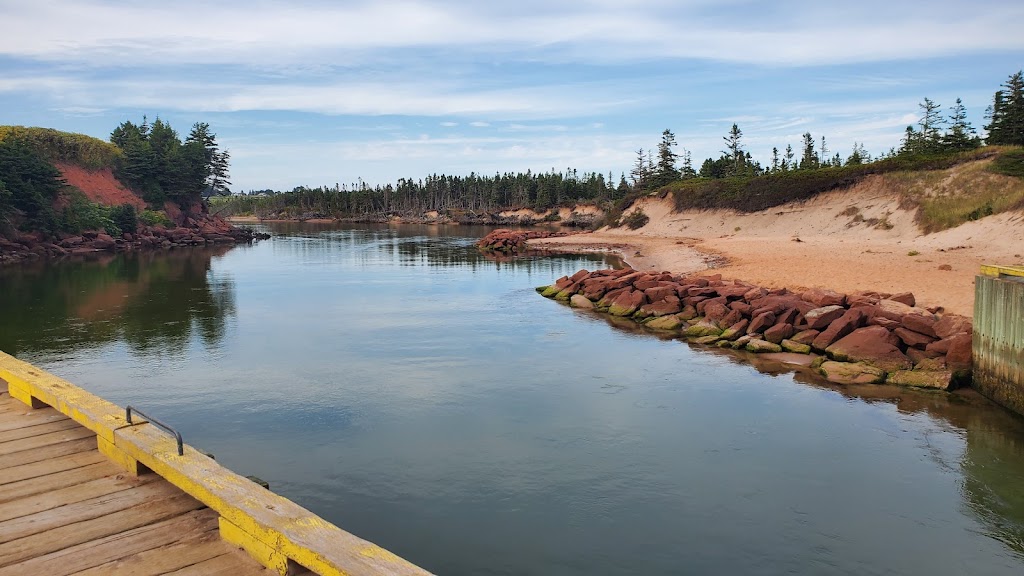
(409, 245)
(152, 301)
(992, 466)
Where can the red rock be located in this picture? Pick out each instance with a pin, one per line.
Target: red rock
(663, 307)
(754, 294)
(884, 322)
(646, 284)
(696, 291)
(731, 318)
(741, 307)
(872, 345)
(714, 309)
(951, 324)
(103, 242)
(940, 347)
(916, 356)
(778, 291)
(913, 339)
(626, 303)
(688, 313)
(805, 336)
(894, 310)
(580, 275)
(850, 320)
(822, 298)
(736, 330)
(778, 333)
(920, 324)
(734, 292)
(959, 357)
(762, 322)
(787, 317)
(821, 318)
(660, 292)
(861, 299)
(904, 298)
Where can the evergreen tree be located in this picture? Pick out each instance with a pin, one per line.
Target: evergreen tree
(734, 150)
(639, 173)
(687, 170)
(787, 163)
(809, 160)
(665, 170)
(858, 156)
(775, 159)
(930, 123)
(1006, 114)
(961, 135)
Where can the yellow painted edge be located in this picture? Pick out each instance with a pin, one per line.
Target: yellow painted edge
(265, 555)
(996, 271)
(119, 457)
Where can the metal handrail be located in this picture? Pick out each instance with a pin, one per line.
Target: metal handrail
(128, 416)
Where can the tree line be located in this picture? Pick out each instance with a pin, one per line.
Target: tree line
(934, 134)
(439, 192)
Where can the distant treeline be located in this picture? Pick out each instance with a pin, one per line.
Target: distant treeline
(442, 193)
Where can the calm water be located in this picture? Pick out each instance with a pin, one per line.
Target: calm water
(426, 398)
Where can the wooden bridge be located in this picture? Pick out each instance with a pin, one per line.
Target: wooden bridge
(84, 491)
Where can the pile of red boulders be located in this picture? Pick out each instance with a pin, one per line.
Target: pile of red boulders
(513, 241)
(198, 231)
(859, 338)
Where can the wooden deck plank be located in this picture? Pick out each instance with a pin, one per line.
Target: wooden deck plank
(109, 506)
(46, 467)
(42, 440)
(28, 417)
(101, 551)
(47, 452)
(230, 564)
(164, 559)
(74, 494)
(69, 535)
(56, 481)
(28, 431)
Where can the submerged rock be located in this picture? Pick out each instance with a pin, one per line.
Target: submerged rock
(851, 373)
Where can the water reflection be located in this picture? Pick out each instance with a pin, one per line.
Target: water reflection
(153, 302)
(992, 463)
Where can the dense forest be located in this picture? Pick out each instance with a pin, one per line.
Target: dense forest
(149, 159)
(734, 179)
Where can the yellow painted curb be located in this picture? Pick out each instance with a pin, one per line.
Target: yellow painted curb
(997, 271)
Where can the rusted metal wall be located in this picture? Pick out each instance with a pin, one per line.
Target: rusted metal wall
(999, 338)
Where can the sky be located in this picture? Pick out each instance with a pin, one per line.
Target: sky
(318, 93)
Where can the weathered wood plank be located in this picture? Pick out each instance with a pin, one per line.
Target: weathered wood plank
(37, 442)
(165, 559)
(46, 428)
(101, 551)
(66, 536)
(41, 484)
(230, 564)
(46, 467)
(100, 506)
(86, 491)
(47, 452)
(28, 417)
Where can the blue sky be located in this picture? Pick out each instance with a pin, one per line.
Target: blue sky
(311, 93)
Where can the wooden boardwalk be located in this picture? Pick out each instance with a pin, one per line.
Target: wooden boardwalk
(65, 509)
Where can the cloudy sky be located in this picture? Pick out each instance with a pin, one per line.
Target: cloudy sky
(320, 92)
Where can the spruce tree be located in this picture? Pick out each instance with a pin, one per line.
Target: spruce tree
(960, 135)
(665, 170)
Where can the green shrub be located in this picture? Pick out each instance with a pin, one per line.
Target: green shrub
(1010, 163)
(124, 217)
(154, 218)
(636, 219)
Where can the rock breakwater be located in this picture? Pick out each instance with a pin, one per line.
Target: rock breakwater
(514, 241)
(862, 337)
